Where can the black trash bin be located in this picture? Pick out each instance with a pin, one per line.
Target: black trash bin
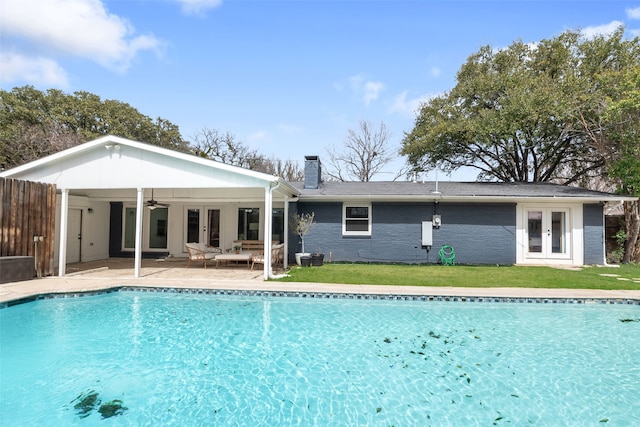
(305, 261)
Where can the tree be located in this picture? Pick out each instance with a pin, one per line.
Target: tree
(34, 124)
(224, 148)
(302, 224)
(564, 110)
(363, 155)
(614, 128)
(513, 112)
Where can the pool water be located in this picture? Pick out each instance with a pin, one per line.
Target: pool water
(138, 358)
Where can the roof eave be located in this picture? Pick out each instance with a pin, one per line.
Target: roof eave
(478, 199)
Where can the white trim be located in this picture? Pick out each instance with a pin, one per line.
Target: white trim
(344, 219)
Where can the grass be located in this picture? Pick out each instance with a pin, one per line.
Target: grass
(590, 277)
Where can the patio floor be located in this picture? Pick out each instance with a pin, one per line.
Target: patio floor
(169, 268)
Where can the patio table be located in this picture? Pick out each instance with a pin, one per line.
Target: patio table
(241, 256)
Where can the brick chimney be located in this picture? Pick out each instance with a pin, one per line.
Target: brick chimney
(312, 172)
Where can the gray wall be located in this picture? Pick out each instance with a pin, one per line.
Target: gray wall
(479, 233)
(593, 234)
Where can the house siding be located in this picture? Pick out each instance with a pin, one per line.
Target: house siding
(479, 233)
(593, 234)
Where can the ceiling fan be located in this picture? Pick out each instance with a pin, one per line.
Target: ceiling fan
(152, 204)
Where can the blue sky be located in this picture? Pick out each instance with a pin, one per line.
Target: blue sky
(287, 78)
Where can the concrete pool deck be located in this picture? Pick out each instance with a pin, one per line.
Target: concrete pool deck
(102, 275)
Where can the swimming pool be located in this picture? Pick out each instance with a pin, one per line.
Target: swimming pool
(139, 358)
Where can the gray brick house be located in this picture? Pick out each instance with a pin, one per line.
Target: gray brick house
(485, 222)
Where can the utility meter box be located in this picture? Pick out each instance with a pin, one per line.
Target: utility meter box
(427, 233)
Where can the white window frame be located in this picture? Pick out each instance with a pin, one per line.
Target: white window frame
(344, 219)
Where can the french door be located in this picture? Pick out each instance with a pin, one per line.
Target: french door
(548, 233)
(203, 225)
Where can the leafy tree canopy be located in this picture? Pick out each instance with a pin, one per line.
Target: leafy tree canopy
(34, 124)
(536, 112)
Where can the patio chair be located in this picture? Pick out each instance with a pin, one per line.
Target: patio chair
(201, 252)
(277, 256)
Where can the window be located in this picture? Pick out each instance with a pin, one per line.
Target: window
(356, 220)
(156, 234)
(277, 225)
(158, 228)
(248, 224)
(129, 228)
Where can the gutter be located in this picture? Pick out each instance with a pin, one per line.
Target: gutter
(269, 268)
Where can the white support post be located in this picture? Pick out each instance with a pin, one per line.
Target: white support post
(268, 231)
(64, 224)
(138, 244)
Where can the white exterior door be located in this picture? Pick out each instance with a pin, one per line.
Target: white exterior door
(549, 234)
(203, 225)
(74, 235)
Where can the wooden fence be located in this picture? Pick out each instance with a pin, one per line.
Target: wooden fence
(27, 222)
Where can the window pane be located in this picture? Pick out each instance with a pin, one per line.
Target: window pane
(129, 228)
(277, 225)
(535, 231)
(213, 225)
(557, 232)
(193, 226)
(357, 212)
(356, 225)
(248, 224)
(158, 228)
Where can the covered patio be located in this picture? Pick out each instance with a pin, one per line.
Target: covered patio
(119, 198)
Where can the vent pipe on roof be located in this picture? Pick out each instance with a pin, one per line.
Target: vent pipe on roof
(436, 190)
(312, 172)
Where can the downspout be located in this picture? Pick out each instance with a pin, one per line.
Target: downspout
(604, 233)
(267, 256)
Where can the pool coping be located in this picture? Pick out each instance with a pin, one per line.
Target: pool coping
(70, 287)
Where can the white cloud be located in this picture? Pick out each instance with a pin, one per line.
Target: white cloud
(369, 90)
(36, 70)
(601, 30)
(194, 7)
(435, 71)
(80, 28)
(633, 13)
(408, 107)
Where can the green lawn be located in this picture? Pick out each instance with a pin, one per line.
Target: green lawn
(470, 276)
